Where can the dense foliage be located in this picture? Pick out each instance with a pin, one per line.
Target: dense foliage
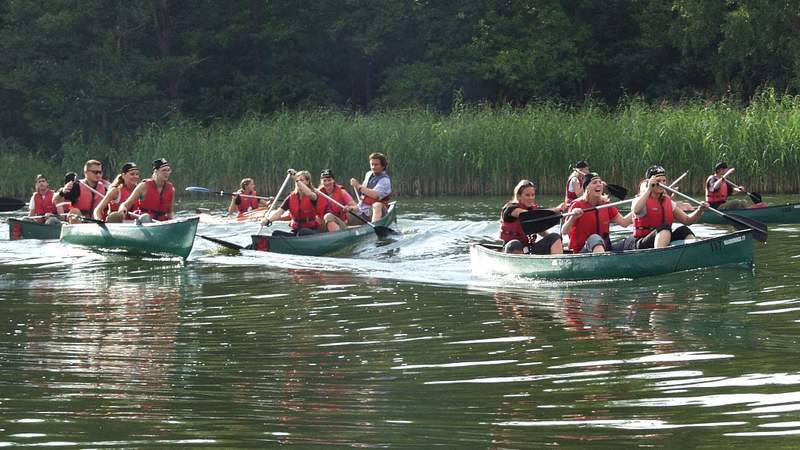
(80, 77)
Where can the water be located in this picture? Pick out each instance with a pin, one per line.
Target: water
(398, 347)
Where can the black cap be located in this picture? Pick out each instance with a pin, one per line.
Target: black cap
(654, 171)
(720, 165)
(581, 164)
(589, 177)
(127, 167)
(39, 177)
(159, 163)
(326, 173)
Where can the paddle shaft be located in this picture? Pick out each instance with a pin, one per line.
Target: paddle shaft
(756, 198)
(379, 230)
(277, 196)
(343, 207)
(223, 193)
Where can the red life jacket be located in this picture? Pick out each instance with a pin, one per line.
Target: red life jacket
(123, 193)
(513, 230)
(247, 203)
(340, 195)
(720, 195)
(304, 213)
(592, 222)
(658, 213)
(87, 200)
(157, 204)
(570, 197)
(371, 183)
(43, 204)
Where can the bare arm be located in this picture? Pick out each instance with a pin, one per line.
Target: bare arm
(103, 205)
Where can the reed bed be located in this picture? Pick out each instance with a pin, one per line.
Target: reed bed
(475, 150)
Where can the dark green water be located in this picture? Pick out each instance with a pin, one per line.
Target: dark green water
(398, 347)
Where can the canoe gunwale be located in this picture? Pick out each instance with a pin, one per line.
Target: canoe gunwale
(727, 249)
(305, 245)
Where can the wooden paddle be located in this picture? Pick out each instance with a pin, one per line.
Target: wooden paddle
(539, 220)
(10, 204)
(289, 174)
(754, 196)
(740, 223)
(203, 190)
(380, 230)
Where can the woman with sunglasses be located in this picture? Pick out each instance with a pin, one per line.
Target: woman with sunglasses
(121, 188)
(306, 209)
(511, 232)
(156, 195)
(654, 212)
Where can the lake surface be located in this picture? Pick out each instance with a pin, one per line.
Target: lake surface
(398, 346)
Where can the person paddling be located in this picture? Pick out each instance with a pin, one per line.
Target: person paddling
(574, 188)
(718, 189)
(119, 191)
(156, 195)
(41, 204)
(241, 204)
(511, 232)
(87, 199)
(329, 187)
(306, 209)
(654, 212)
(376, 190)
(589, 231)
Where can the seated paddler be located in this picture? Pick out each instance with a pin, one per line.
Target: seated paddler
(655, 212)
(511, 231)
(589, 226)
(306, 209)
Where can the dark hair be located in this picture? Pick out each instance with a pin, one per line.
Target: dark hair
(381, 157)
(588, 179)
(157, 164)
(75, 192)
(581, 164)
(655, 170)
(39, 177)
(720, 165)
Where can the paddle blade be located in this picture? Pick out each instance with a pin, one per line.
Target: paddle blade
(225, 244)
(617, 191)
(383, 231)
(10, 204)
(538, 220)
(755, 197)
(199, 189)
(744, 223)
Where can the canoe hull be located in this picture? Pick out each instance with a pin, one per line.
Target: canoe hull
(321, 243)
(788, 213)
(728, 249)
(27, 229)
(172, 237)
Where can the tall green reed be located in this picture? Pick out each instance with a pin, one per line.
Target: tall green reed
(473, 150)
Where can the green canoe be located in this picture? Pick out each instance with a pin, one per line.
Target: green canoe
(28, 229)
(172, 237)
(788, 213)
(321, 243)
(733, 248)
